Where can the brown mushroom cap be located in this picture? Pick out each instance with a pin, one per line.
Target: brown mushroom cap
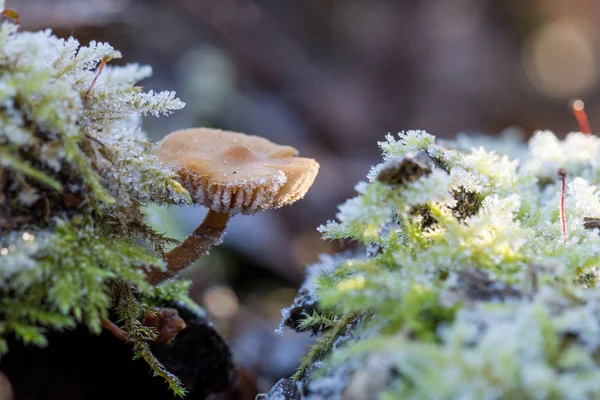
(232, 172)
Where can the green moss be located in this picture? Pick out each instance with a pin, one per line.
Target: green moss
(468, 289)
(76, 172)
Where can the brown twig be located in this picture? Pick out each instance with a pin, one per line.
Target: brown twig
(591, 223)
(166, 322)
(115, 330)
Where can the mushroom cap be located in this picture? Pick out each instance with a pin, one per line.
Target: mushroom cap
(232, 172)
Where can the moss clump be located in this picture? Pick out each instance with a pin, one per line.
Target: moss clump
(76, 171)
(471, 292)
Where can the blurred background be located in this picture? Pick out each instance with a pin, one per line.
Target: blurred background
(331, 77)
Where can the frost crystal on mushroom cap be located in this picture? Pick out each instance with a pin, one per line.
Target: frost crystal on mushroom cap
(232, 172)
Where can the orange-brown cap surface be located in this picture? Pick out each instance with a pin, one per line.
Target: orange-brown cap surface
(232, 172)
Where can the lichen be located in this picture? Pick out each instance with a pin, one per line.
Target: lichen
(75, 171)
(468, 289)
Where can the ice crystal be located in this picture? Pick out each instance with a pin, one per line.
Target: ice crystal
(248, 196)
(410, 141)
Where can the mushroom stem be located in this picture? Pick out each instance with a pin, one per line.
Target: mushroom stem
(207, 235)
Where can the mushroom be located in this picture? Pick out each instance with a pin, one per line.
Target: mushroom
(229, 173)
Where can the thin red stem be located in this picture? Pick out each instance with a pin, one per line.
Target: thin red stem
(581, 116)
(14, 15)
(100, 68)
(562, 174)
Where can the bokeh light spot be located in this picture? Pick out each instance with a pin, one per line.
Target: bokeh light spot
(560, 60)
(221, 302)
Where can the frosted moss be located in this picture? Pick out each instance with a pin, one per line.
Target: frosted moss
(75, 170)
(467, 290)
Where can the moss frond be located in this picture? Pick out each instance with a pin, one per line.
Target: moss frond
(324, 344)
(130, 312)
(23, 167)
(315, 321)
